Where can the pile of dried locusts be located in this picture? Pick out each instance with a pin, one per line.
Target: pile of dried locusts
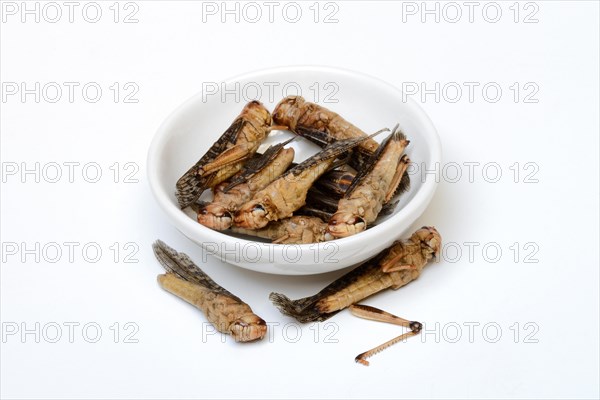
(338, 192)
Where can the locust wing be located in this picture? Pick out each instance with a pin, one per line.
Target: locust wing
(183, 267)
(191, 185)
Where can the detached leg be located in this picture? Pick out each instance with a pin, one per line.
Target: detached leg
(376, 314)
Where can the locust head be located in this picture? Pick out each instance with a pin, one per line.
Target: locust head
(248, 328)
(215, 216)
(287, 111)
(430, 241)
(255, 214)
(256, 111)
(344, 224)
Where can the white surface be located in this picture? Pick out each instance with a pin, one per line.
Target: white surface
(169, 54)
(187, 134)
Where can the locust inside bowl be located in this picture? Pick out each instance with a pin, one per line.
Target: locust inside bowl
(367, 102)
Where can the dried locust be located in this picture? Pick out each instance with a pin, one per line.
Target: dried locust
(391, 268)
(372, 187)
(230, 195)
(225, 157)
(225, 311)
(321, 126)
(288, 193)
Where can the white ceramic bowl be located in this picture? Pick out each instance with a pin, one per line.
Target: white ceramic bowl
(367, 102)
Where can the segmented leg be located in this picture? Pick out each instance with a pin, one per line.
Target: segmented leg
(375, 314)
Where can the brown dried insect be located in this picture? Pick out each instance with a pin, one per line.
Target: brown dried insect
(372, 187)
(225, 157)
(288, 193)
(225, 311)
(321, 126)
(230, 195)
(392, 268)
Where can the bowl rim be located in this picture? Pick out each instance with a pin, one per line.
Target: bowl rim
(185, 224)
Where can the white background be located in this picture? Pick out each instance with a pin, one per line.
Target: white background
(169, 53)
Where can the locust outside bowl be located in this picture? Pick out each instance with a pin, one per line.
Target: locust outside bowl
(367, 102)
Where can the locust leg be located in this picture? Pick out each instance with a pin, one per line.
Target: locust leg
(395, 264)
(375, 314)
(230, 156)
(400, 181)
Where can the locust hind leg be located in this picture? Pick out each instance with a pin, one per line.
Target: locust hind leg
(400, 181)
(230, 156)
(375, 314)
(396, 264)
